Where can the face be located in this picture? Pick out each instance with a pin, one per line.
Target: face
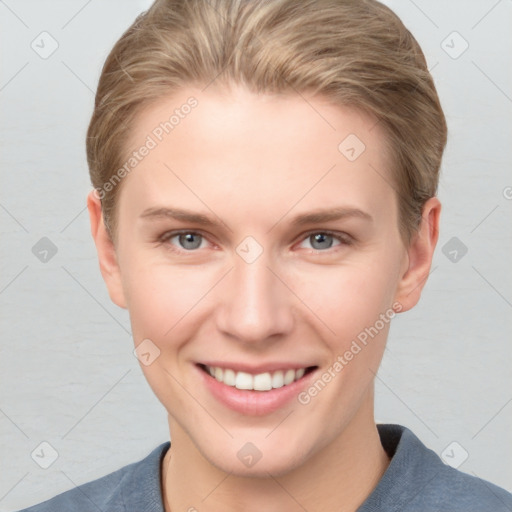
(257, 243)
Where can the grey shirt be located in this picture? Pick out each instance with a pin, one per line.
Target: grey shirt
(416, 481)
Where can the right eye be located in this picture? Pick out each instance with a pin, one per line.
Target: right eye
(188, 241)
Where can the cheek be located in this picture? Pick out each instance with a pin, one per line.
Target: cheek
(349, 298)
(354, 302)
(164, 302)
(162, 298)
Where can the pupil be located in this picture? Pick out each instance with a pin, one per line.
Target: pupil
(321, 238)
(187, 238)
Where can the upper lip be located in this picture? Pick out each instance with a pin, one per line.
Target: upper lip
(256, 369)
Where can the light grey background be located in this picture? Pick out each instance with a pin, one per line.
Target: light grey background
(68, 375)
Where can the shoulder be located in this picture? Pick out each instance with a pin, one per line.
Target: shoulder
(133, 487)
(469, 492)
(417, 479)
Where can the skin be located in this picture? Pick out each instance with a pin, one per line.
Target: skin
(252, 163)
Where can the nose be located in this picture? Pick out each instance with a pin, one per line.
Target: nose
(256, 307)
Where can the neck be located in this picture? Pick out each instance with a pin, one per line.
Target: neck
(338, 477)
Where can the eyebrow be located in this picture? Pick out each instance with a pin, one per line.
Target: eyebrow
(314, 217)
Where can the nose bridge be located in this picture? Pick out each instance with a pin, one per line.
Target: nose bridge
(255, 304)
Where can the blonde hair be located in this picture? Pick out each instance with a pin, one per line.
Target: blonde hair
(357, 53)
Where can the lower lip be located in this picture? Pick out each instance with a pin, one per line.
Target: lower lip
(254, 403)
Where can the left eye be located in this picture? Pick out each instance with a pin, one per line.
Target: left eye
(322, 240)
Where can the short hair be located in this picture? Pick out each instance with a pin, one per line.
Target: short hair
(356, 53)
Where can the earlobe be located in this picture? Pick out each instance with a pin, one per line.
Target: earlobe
(107, 256)
(419, 256)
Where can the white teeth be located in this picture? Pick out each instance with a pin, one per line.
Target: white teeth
(289, 377)
(229, 377)
(242, 381)
(218, 374)
(260, 382)
(278, 379)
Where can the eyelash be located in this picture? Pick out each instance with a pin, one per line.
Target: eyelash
(344, 239)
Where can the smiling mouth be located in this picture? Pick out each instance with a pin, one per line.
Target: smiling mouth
(258, 382)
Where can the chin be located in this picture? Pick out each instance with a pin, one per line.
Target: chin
(260, 458)
(275, 466)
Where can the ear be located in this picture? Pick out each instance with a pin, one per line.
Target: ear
(106, 251)
(419, 256)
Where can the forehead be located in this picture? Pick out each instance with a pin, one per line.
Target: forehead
(259, 152)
